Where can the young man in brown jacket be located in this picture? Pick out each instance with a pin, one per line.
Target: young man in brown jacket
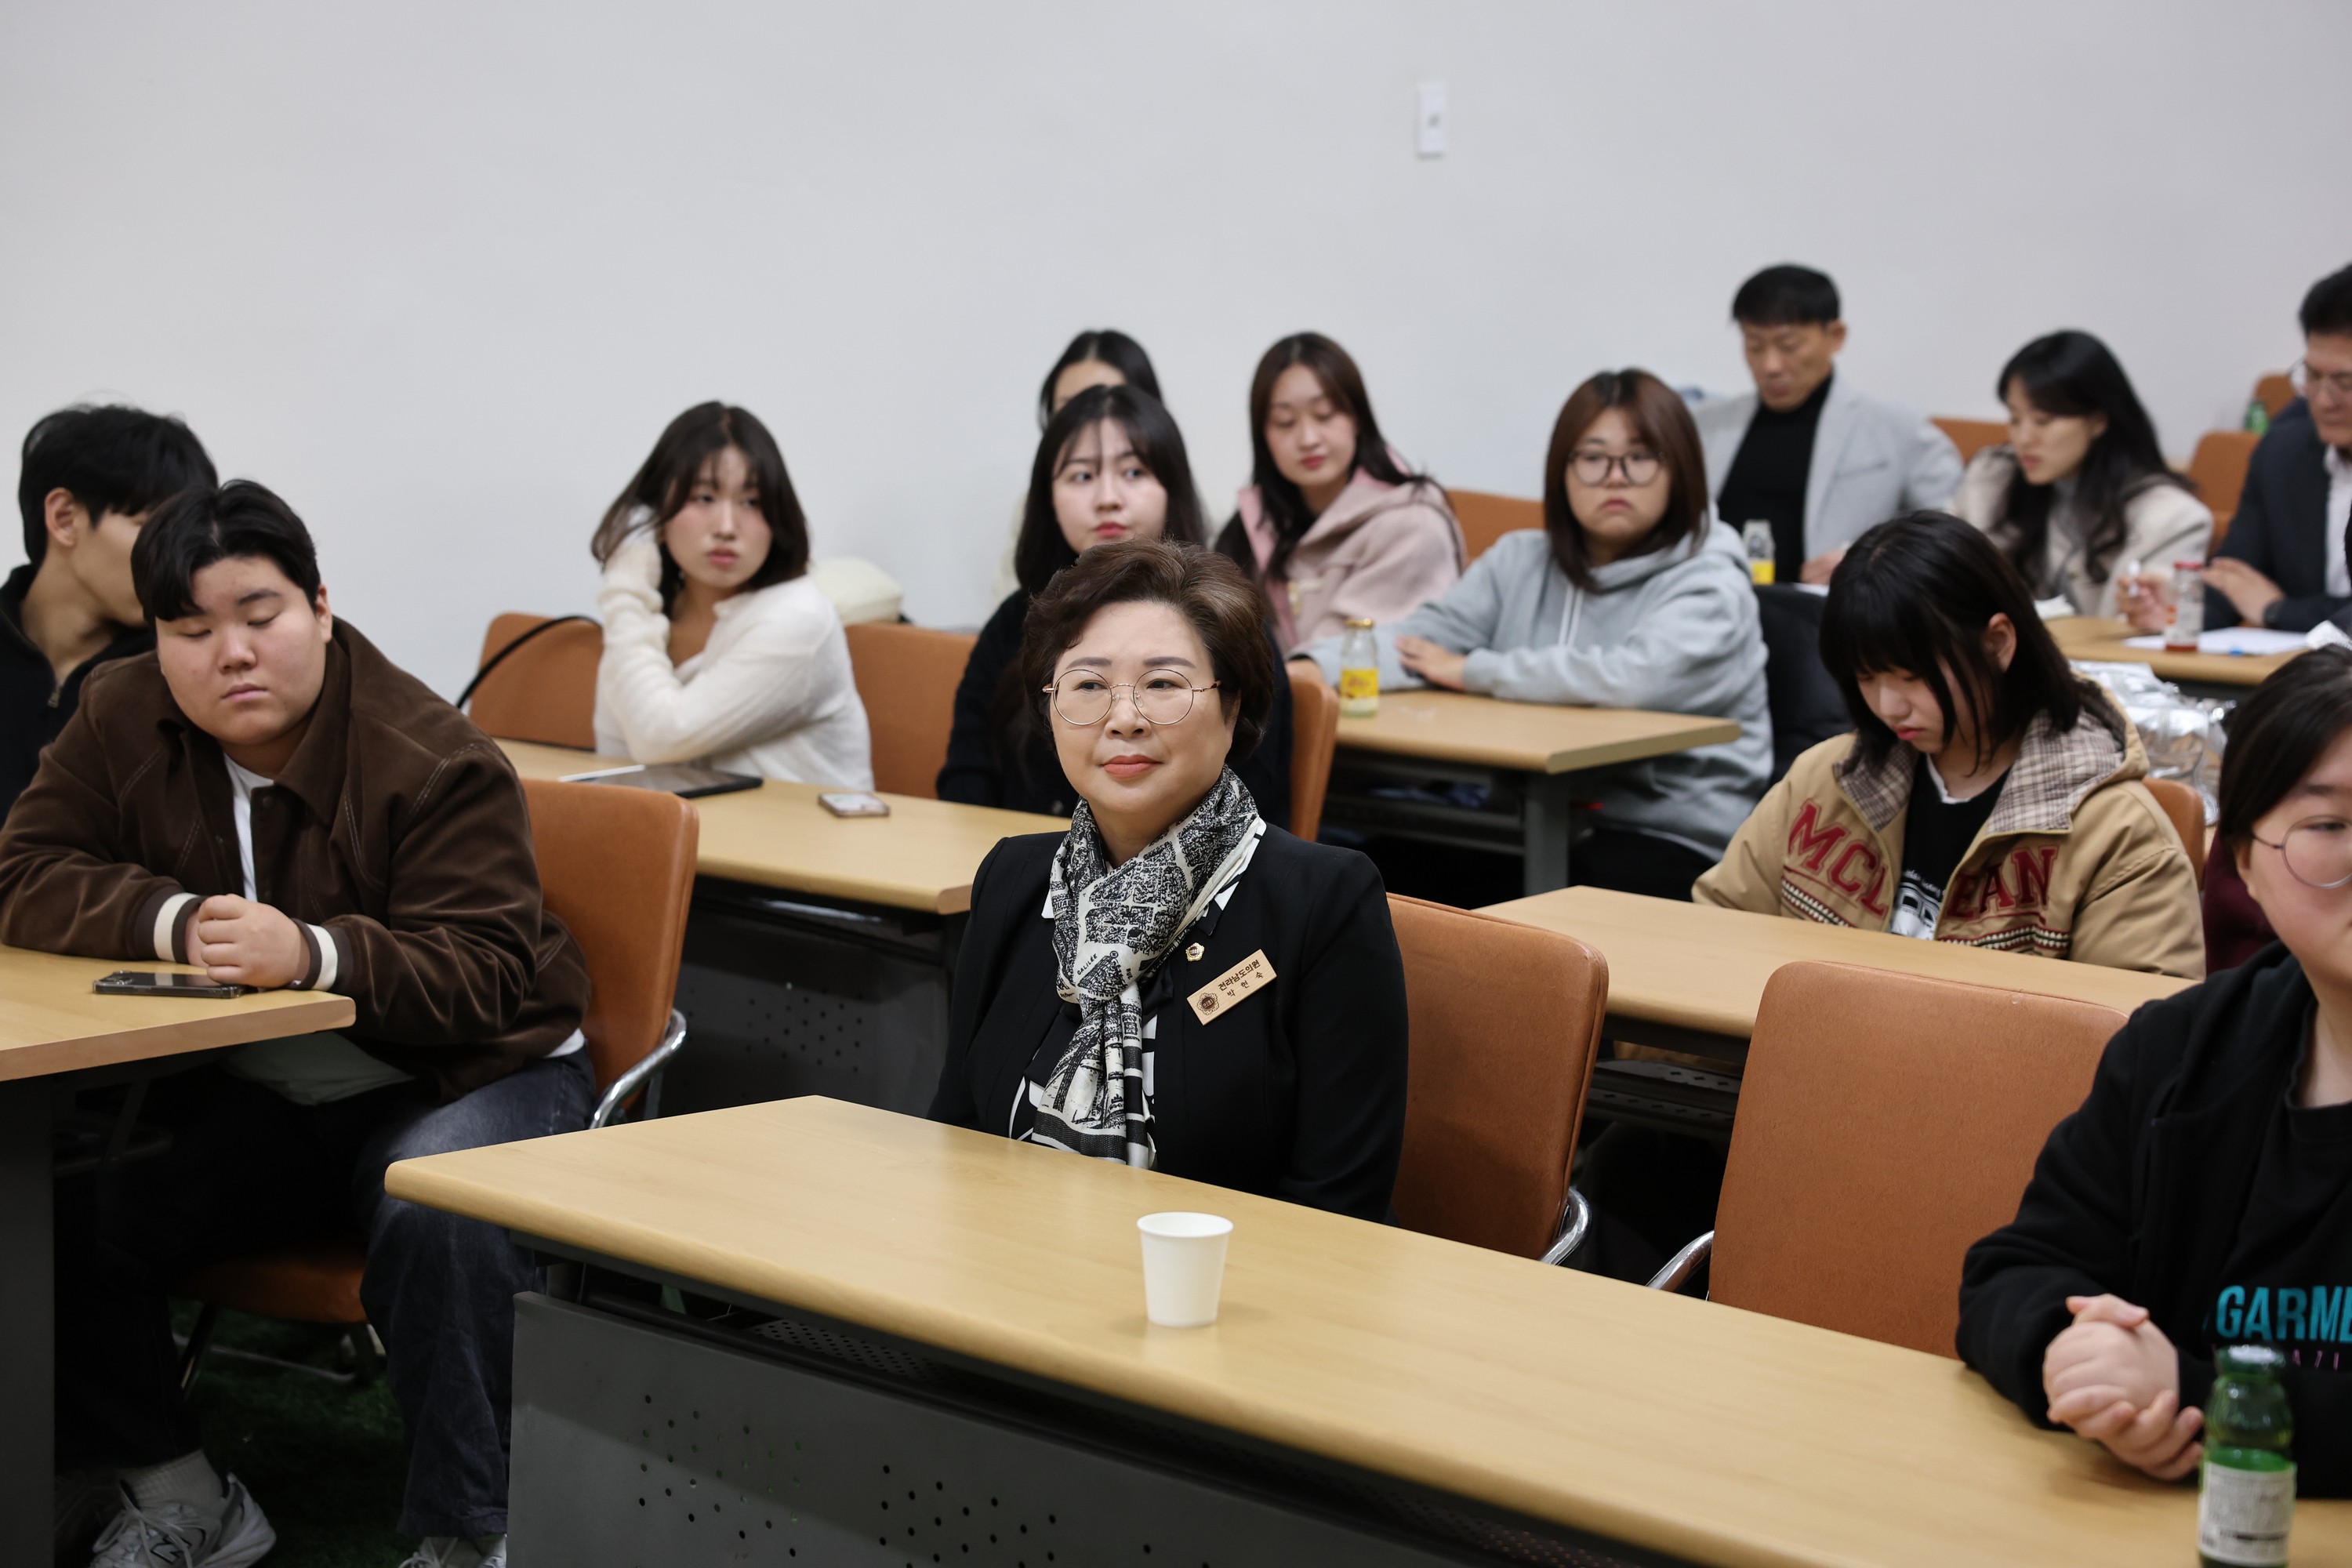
(269, 798)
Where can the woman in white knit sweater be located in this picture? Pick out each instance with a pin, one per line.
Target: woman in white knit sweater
(717, 646)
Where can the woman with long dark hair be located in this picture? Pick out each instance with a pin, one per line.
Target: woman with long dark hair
(719, 647)
(1333, 526)
(1631, 596)
(1099, 356)
(2081, 488)
(1988, 794)
(1111, 466)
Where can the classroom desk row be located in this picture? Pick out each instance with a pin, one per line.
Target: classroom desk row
(2090, 640)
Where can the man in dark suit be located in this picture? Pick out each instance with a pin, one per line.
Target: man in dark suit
(2286, 562)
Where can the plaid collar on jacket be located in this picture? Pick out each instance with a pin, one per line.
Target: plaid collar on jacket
(2053, 772)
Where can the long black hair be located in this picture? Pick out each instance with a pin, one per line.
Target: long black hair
(1914, 595)
(1042, 551)
(1102, 345)
(1285, 507)
(2072, 374)
(660, 489)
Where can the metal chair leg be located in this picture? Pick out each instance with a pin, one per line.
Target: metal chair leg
(199, 1340)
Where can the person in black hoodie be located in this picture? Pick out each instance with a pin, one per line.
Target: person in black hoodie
(2202, 1196)
(1111, 466)
(88, 479)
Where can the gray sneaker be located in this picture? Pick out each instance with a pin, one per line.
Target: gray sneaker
(175, 1535)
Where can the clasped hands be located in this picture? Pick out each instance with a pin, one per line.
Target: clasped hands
(2114, 1378)
(240, 943)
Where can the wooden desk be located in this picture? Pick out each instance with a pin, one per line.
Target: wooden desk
(1690, 976)
(1669, 1423)
(921, 856)
(819, 949)
(53, 1024)
(1524, 753)
(2102, 641)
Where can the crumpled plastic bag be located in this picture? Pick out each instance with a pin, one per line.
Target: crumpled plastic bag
(2183, 736)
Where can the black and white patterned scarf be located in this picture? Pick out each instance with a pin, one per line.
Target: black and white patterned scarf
(1113, 928)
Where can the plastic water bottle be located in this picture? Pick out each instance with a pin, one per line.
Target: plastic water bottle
(2245, 1486)
(2187, 607)
(1359, 671)
(1761, 550)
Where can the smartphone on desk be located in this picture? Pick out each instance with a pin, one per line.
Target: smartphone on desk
(164, 982)
(854, 803)
(685, 780)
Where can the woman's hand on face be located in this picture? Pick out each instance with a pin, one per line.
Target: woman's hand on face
(636, 566)
(1431, 662)
(2114, 1378)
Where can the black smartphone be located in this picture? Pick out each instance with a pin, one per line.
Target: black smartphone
(164, 982)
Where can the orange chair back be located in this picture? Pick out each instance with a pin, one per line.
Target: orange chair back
(1972, 435)
(1886, 1121)
(1486, 517)
(1314, 735)
(2275, 390)
(547, 691)
(2217, 468)
(1505, 1021)
(907, 678)
(2186, 807)
(616, 866)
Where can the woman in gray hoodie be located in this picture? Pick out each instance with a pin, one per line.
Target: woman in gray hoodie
(1631, 596)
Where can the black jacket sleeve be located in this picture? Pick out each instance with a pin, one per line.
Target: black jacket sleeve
(1266, 774)
(2073, 1229)
(1351, 1044)
(2268, 535)
(971, 775)
(976, 962)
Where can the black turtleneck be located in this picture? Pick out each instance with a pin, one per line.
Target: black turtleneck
(1768, 478)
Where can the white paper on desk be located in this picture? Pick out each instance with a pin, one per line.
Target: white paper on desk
(2252, 640)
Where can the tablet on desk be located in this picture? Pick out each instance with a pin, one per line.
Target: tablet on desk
(683, 780)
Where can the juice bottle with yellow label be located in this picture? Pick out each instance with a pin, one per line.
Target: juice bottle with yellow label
(1359, 671)
(1761, 550)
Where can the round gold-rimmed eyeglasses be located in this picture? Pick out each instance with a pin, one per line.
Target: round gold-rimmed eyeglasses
(2317, 851)
(1082, 696)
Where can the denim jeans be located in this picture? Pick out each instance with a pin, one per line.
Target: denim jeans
(248, 1170)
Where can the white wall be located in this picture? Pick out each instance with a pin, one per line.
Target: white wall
(440, 271)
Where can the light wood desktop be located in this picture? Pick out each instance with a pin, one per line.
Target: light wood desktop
(920, 857)
(52, 1021)
(1661, 1421)
(1526, 737)
(1688, 976)
(2102, 641)
(1525, 755)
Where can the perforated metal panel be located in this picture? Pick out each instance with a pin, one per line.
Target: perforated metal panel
(781, 1003)
(637, 1444)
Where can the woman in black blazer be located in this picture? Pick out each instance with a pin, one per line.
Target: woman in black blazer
(1173, 983)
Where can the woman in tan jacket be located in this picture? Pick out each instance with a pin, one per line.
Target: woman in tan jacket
(1988, 795)
(1333, 526)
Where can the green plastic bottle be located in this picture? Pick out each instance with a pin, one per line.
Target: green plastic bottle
(2245, 1503)
(2258, 417)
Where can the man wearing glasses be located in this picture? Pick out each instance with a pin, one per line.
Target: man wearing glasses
(2286, 564)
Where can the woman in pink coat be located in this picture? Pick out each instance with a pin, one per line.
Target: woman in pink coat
(1334, 527)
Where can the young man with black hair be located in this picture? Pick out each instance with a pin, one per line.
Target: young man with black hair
(267, 796)
(1807, 453)
(2285, 563)
(88, 481)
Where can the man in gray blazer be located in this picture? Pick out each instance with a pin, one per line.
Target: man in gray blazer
(1806, 452)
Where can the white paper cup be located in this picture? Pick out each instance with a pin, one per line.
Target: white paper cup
(1183, 1268)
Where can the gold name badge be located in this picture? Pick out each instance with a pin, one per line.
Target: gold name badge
(1219, 996)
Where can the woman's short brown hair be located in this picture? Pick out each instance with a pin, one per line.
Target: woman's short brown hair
(1223, 604)
(1663, 423)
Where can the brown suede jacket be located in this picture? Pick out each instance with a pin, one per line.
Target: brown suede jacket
(397, 835)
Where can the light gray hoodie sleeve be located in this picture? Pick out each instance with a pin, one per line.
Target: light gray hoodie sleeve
(1466, 618)
(1683, 654)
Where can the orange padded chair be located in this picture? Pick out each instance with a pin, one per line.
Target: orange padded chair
(2275, 390)
(1886, 1121)
(1314, 735)
(2217, 468)
(1972, 435)
(907, 678)
(545, 690)
(2186, 807)
(616, 866)
(1505, 1021)
(1486, 517)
